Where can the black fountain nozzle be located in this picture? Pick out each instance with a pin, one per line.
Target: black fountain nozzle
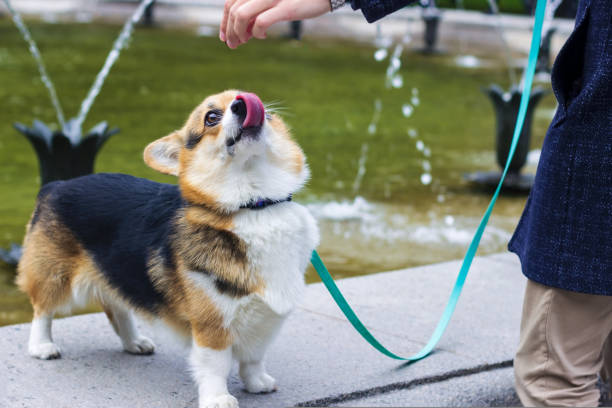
(64, 154)
(567, 8)
(431, 17)
(12, 255)
(506, 107)
(543, 62)
(148, 17)
(295, 30)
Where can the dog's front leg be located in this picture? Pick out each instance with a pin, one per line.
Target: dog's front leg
(210, 365)
(250, 349)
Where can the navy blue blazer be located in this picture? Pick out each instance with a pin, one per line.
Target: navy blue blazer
(564, 237)
(376, 9)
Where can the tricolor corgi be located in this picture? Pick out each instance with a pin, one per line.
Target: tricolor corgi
(220, 257)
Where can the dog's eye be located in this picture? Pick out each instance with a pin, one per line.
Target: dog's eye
(212, 117)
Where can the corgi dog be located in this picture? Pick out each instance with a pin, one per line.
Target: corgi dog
(220, 257)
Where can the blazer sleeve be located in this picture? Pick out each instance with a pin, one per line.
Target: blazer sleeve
(376, 9)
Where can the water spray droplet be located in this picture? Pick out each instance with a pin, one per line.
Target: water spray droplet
(407, 110)
(426, 178)
(397, 81)
(441, 198)
(382, 41)
(396, 63)
(378, 105)
(420, 145)
(427, 152)
(449, 220)
(415, 100)
(412, 133)
(372, 128)
(426, 166)
(361, 170)
(380, 54)
(467, 61)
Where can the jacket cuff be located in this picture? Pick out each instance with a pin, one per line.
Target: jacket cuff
(374, 10)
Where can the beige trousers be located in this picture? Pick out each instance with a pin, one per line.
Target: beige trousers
(563, 347)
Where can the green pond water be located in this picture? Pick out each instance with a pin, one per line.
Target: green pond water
(387, 196)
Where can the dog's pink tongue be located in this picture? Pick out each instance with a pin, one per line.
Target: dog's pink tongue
(254, 108)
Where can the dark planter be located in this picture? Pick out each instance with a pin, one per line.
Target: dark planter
(543, 63)
(148, 18)
(64, 154)
(567, 8)
(12, 255)
(431, 18)
(295, 30)
(506, 107)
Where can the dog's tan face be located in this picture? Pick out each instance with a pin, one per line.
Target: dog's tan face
(230, 152)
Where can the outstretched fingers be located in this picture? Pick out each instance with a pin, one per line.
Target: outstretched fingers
(269, 17)
(246, 14)
(223, 26)
(244, 19)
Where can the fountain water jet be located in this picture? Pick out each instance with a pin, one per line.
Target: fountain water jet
(393, 79)
(548, 30)
(495, 10)
(66, 153)
(361, 168)
(119, 44)
(39, 61)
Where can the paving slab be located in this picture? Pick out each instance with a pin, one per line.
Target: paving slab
(494, 388)
(318, 355)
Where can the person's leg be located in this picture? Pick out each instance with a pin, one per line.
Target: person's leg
(561, 348)
(606, 374)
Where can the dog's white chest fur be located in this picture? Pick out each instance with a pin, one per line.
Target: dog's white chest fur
(280, 240)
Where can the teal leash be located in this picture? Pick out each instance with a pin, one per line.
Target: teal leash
(471, 252)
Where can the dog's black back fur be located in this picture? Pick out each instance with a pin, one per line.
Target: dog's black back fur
(121, 221)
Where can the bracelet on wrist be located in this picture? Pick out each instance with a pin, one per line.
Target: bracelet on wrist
(336, 4)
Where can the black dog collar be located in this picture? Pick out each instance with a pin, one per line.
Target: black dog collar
(263, 203)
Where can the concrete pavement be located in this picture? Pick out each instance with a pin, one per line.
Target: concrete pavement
(318, 359)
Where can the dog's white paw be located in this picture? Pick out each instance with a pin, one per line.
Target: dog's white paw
(221, 401)
(139, 345)
(44, 351)
(259, 383)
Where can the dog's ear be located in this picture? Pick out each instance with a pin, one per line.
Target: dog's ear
(163, 154)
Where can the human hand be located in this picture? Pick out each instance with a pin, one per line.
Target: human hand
(244, 19)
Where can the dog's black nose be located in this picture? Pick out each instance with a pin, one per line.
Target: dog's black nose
(239, 109)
